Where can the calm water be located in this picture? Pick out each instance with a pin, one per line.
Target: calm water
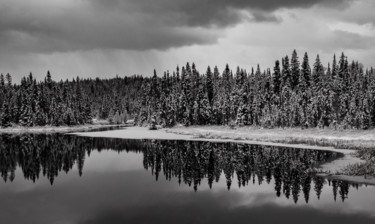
(69, 179)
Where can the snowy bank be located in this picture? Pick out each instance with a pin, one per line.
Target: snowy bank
(54, 129)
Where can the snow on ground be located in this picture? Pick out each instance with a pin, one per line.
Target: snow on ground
(52, 129)
(136, 133)
(342, 139)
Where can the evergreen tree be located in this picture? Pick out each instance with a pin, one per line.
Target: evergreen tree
(5, 116)
(210, 85)
(9, 79)
(317, 74)
(305, 77)
(295, 70)
(2, 81)
(286, 72)
(276, 78)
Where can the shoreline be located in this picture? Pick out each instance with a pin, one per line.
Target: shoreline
(55, 129)
(339, 139)
(347, 142)
(328, 170)
(166, 134)
(292, 138)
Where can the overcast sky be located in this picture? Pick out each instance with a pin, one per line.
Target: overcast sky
(102, 38)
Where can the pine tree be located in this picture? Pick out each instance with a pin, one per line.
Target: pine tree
(227, 92)
(276, 78)
(48, 80)
(295, 70)
(334, 73)
(317, 74)
(216, 81)
(5, 116)
(286, 72)
(305, 77)
(226, 80)
(210, 85)
(2, 80)
(9, 79)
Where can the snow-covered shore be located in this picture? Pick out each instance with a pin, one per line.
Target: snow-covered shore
(341, 139)
(53, 129)
(171, 134)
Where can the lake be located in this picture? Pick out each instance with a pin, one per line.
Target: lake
(70, 179)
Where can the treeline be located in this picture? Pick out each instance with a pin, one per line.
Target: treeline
(35, 103)
(292, 94)
(75, 102)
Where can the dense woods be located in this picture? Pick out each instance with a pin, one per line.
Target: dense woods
(35, 103)
(293, 93)
(190, 163)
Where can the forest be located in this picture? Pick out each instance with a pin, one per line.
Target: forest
(340, 95)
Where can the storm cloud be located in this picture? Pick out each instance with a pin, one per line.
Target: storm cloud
(71, 25)
(102, 38)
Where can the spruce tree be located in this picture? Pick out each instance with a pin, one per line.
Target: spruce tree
(5, 115)
(317, 74)
(2, 80)
(286, 73)
(295, 70)
(210, 85)
(305, 76)
(276, 78)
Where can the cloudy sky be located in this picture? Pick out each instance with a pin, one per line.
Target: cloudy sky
(102, 38)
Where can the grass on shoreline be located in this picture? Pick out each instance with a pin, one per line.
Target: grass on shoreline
(53, 129)
(339, 139)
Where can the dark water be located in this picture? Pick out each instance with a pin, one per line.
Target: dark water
(69, 179)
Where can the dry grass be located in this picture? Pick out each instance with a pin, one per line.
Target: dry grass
(341, 139)
(52, 129)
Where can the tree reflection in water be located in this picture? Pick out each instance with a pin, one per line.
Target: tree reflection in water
(190, 162)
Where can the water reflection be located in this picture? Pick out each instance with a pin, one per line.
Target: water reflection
(189, 162)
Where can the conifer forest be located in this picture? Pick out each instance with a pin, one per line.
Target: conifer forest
(294, 93)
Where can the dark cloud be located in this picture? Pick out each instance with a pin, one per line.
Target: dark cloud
(347, 40)
(207, 13)
(129, 24)
(264, 17)
(361, 13)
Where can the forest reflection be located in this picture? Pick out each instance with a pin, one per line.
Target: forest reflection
(189, 162)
